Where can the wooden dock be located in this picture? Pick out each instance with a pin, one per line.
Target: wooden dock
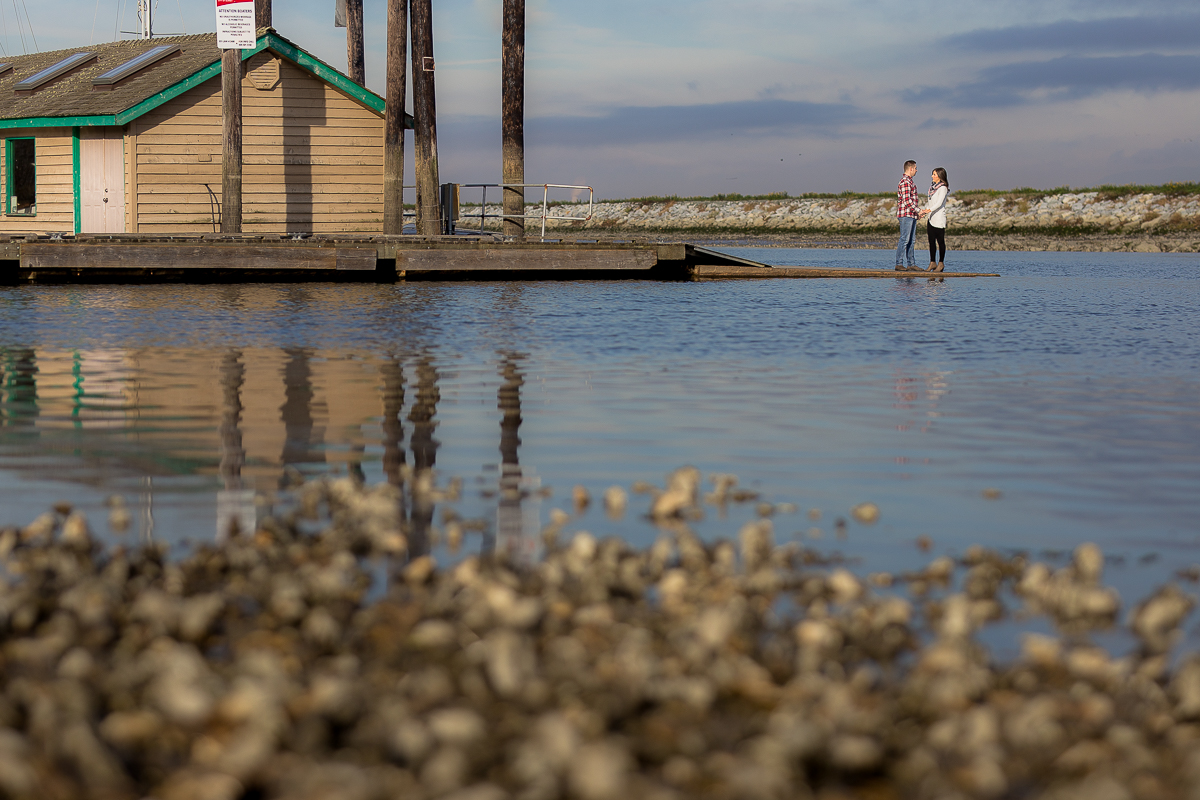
(236, 258)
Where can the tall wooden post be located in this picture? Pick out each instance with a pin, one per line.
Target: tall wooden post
(429, 212)
(513, 114)
(262, 14)
(354, 42)
(393, 120)
(231, 141)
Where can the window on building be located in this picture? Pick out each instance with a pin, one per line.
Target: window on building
(21, 177)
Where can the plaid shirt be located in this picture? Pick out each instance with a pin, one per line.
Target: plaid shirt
(906, 198)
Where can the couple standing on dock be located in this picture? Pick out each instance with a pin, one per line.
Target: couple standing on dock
(908, 213)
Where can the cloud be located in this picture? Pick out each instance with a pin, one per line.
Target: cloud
(1116, 33)
(941, 123)
(1067, 78)
(638, 124)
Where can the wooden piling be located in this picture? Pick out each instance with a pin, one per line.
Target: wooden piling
(513, 114)
(429, 220)
(356, 66)
(262, 14)
(231, 141)
(393, 120)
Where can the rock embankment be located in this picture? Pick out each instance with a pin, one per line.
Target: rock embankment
(263, 667)
(1082, 212)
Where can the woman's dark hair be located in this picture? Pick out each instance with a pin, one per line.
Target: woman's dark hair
(941, 173)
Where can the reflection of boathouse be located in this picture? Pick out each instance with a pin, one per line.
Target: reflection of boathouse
(250, 420)
(125, 137)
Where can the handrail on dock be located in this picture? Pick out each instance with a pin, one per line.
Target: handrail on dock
(545, 215)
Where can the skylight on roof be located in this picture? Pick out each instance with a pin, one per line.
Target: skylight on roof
(53, 71)
(5, 67)
(134, 65)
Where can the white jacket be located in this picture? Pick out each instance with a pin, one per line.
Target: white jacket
(937, 205)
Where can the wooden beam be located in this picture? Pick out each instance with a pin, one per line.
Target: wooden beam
(721, 271)
(262, 14)
(231, 141)
(513, 114)
(233, 257)
(393, 119)
(429, 220)
(356, 67)
(523, 260)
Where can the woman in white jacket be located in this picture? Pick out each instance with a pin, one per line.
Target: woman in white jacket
(939, 190)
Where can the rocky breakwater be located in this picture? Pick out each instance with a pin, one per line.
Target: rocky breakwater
(1083, 212)
(740, 668)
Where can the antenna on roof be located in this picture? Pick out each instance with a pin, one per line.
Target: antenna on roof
(146, 15)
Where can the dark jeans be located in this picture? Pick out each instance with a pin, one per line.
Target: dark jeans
(905, 249)
(937, 241)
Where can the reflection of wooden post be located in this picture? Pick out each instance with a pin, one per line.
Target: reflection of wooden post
(233, 454)
(393, 120)
(262, 14)
(231, 141)
(429, 221)
(513, 114)
(354, 42)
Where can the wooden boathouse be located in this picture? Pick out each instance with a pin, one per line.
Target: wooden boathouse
(125, 138)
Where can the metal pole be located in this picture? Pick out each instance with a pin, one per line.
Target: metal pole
(513, 115)
(429, 221)
(393, 121)
(231, 141)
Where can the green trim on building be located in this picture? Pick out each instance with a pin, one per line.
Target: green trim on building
(324, 72)
(213, 70)
(75, 179)
(57, 122)
(267, 41)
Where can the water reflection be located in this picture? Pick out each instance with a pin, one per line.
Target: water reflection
(424, 450)
(236, 510)
(240, 426)
(302, 437)
(19, 411)
(516, 512)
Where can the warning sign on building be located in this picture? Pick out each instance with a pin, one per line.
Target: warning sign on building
(235, 24)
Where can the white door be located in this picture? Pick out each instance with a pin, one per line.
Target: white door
(102, 180)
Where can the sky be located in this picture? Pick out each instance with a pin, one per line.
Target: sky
(704, 97)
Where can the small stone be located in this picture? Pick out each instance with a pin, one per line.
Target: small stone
(866, 513)
(615, 501)
(420, 570)
(1089, 563)
(845, 586)
(600, 771)
(580, 498)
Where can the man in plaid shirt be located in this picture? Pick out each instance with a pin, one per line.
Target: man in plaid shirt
(907, 212)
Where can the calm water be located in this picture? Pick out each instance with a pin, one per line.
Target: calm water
(1070, 385)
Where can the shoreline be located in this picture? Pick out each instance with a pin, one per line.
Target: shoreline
(1169, 242)
(1095, 221)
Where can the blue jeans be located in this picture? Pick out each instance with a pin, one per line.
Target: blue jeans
(905, 249)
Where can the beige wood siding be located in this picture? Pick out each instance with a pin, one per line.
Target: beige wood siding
(316, 168)
(55, 182)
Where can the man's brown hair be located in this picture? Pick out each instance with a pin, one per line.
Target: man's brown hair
(908, 164)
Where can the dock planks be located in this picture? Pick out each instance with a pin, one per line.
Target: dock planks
(232, 258)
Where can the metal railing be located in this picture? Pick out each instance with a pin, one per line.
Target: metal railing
(483, 216)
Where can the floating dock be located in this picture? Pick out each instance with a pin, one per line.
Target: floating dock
(237, 258)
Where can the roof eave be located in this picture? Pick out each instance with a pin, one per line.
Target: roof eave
(268, 40)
